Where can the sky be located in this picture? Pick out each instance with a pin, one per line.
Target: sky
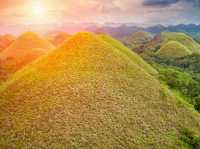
(144, 12)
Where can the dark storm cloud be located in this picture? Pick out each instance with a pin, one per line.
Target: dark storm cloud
(163, 3)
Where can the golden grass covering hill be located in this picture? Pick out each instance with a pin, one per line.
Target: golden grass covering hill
(89, 94)
(24, 43)
(5, 41)
(22, 51)
(173, 49)
(126, 51)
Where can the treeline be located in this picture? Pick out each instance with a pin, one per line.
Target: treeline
(181, 74)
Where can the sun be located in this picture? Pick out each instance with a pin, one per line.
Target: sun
(38, 10)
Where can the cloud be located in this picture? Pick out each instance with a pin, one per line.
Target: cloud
(137, 11)
(159, 2)
(165, 3)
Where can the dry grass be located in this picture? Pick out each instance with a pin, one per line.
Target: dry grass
(165, 37)
(173, 49)
(26, 48)
(5, 41)
(87, 94)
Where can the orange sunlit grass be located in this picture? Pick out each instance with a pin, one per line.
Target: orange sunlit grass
(95, 74)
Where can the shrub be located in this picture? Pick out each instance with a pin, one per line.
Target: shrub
(180, 74)
(191, 138)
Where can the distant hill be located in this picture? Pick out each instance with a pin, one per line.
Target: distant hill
(90, 93)
(5, 41)
(57, 38)
(183, 39)
(22, 51)
(173, 49)
(191, 29)
(137, 39)
(117, 31)
(26, 41)
(165, 37)
(126, 29)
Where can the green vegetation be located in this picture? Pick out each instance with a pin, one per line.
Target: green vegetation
(186, 83)
(189, 63)
(173, 49)
(180, 74)
(182, 38)
(190, 139)
(163, 38)
(90, 93)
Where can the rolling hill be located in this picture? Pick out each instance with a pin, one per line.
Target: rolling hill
(57, 38)
(183, 39)
(22, 51)
(126, 51)
(5, 41)
(137, 39)
(165, 37)
(26, 41)
(173, 49)
(90, 93)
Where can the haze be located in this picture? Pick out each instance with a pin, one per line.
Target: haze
(33, 14)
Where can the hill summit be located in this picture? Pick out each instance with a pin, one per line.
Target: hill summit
(137, 39)
(182, 38)
(173, 49)
(22, 51)
(164, 37)
(26, 42)
(90, 93)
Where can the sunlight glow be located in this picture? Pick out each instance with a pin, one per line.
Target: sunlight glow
(38, 10)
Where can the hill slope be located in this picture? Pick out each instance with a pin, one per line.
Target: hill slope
(133, 56)
(88, 94)
(5, 41)
(173, 49)
(25, 42)
(57, 38)
(184, 39)
(165, 37)
(136, 40)
(22, 51)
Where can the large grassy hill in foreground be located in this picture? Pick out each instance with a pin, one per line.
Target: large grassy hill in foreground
(89, 93)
